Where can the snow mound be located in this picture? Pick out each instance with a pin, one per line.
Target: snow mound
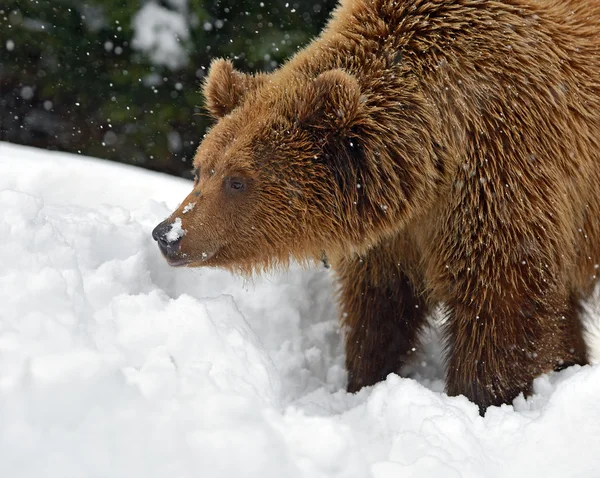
(114, 364)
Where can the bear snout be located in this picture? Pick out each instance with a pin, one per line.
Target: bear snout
(168, 235)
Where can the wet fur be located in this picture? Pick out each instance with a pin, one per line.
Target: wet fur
(438, 152)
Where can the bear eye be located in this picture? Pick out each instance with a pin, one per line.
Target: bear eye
(235, 185)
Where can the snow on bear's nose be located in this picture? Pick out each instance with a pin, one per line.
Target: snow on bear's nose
(168, 236)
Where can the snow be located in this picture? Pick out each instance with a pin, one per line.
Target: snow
(114, 364)
(188, 207)
(161, 33)
(176, 230)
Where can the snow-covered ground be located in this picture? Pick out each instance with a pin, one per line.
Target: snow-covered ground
(113, 364)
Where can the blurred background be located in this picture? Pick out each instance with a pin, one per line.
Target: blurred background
(120, 79)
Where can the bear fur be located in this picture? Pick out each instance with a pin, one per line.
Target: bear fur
(433, 152)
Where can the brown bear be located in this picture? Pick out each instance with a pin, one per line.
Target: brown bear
(433, 152)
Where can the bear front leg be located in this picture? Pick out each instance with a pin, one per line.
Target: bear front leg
(382, 316)
(495, 351)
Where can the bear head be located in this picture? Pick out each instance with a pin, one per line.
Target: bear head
(278, 176)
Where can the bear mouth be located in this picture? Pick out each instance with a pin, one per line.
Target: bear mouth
(178, 258)
(177, 261)
(185, 260)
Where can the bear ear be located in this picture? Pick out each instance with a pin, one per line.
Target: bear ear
(333, 101)
(225, 87)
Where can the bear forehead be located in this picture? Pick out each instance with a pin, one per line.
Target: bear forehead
(247, 136)
(227, 159)
(226, 150)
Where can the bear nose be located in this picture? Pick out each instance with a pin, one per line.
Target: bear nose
(161, 235)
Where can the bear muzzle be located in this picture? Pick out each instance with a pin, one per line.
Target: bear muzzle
(169, 243)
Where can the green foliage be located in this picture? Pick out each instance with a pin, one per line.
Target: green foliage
(70, 78)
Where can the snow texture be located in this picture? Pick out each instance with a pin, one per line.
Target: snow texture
(161, 33)
(176, 231)
(113, 364)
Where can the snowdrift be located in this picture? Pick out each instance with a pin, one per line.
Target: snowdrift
(113, 364)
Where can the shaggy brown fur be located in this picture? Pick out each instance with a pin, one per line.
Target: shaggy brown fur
(438, 152)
